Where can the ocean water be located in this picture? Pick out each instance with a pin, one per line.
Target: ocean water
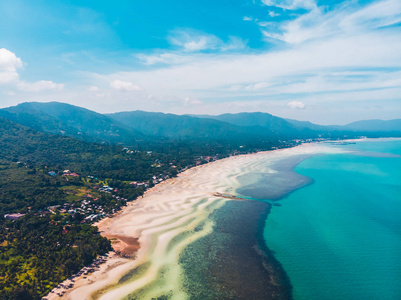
(340, 237)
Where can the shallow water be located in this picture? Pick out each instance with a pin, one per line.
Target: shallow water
(280, 180)
(228, 263)
(340, 237)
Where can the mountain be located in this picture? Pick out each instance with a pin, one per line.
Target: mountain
(264, 120)
(372, 128)
(139, 128)
(183, 127)
(18, 142)
(308, 125)
(69, 120)
(375, 126)
(267, 124)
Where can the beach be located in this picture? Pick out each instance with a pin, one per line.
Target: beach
(155, 232)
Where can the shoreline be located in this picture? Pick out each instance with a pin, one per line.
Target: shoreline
(111, 271)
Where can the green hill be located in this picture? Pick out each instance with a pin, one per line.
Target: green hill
(267, 124)
(143, 129)
(69, 120)
(375, 126)
(183, 127)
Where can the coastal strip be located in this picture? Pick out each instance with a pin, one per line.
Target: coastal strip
(169, 217)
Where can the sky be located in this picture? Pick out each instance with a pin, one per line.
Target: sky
(324, 61)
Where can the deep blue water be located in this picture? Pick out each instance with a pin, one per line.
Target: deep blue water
(340, 237)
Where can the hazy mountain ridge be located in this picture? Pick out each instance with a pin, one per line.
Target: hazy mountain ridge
(267, 124)
(375, 125)
(184, 126)
(308, 125)
(363, 126)
(264, 120)
(64, 119)
(129, 127)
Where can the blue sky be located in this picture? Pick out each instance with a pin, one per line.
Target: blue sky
(329, 62)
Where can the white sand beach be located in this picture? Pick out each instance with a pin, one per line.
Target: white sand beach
(164, 221)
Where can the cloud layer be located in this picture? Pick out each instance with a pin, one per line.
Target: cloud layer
(9, 76)
(312, 61)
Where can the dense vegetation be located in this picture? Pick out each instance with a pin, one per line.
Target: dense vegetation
(37, 253)
(54, 239)
(64, 119)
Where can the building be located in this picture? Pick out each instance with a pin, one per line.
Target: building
(13, 217)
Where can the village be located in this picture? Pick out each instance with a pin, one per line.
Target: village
(96, 203)
(90, 208)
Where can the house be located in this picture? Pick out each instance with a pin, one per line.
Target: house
(53, 208)
(65, 172)
(52, 173)
(13, 217)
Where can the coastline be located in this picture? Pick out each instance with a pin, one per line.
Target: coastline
(176, 204)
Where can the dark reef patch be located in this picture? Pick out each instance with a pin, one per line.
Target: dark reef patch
(233, 262)
(277, 185)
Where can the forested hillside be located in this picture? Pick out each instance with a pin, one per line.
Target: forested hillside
(187, 127)
(60, 185)
(64, 119)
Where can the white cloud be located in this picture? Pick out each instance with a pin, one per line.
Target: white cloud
(124, 86)
(9, 65)
(296, 105)
(189, 40)
(266, 24)
(273, 14)
(165, 58)
(281, 72)
(39, 86)
(291, 4)
(345, 19)
(93, 88)
(191, 45)
(191, 101)
(245, 18)
(192, 40)
(234, 43)
(257, 86)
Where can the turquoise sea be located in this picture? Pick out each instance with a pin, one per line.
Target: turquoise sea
(340, 236)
